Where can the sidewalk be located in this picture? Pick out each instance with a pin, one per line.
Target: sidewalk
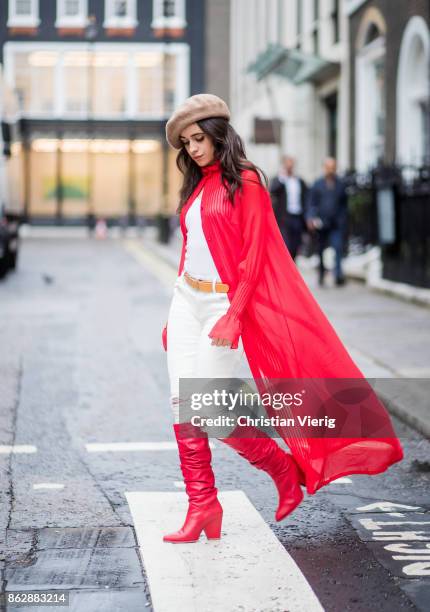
(367, 267)
(389, 338)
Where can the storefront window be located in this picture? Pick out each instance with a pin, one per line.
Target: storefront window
(75, 175)
(148, 177)
(110, 171)
(175, 179)
(14, 176)
(74, 172)
(43, 177)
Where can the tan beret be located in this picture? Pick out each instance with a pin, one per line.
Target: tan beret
(200, 106)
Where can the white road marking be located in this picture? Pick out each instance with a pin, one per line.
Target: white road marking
(409, 552)
(386, 506)
(151, 261)
(370, 524)
(394, 536)
(116, 447)
(404, 548)
(417, 569)
(179, 483)
(247, 569)
(17, 448)
(47, 485)
(342, 480)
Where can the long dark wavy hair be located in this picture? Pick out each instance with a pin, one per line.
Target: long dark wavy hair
(229, 150)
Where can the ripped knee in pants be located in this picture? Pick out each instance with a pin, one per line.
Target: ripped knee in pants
(180, 414)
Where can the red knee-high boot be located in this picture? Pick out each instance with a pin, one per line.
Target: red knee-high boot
(204, 509)
(265, 454)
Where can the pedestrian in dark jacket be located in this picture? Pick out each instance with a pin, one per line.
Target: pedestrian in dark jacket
(288, 193)
(327, 215)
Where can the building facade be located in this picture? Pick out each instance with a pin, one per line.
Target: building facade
(389, 82)
(347, 78)
(96, 81)
(290, 68)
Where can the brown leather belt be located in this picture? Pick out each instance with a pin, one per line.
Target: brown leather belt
(206, 285)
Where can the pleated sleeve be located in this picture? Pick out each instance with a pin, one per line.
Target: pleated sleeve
(253, 201)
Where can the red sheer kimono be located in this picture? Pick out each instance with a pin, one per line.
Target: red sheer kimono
(284, 332)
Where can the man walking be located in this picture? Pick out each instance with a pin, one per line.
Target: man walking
(288, 193)
(327, 214)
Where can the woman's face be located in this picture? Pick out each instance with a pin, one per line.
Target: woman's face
(198, 144)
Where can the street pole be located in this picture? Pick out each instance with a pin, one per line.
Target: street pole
(91, 31)
(164, 221)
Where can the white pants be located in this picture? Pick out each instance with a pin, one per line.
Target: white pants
(190, 353)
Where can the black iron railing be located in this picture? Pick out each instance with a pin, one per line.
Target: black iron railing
(390, 206)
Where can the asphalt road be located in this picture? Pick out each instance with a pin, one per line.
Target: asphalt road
(81, 363)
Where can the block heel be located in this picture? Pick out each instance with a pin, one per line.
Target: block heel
(212, 529)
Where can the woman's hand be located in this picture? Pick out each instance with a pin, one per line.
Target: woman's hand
(220, 342)
(226, 331)
(164, 337)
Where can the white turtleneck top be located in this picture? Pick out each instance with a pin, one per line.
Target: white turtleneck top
(198, 260)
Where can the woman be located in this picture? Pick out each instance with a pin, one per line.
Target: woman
(238, 286)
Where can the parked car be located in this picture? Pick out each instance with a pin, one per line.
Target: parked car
(9, 241)
(11, 179)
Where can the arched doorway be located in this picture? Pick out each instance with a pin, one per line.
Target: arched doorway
(413, 86)
(370, 88)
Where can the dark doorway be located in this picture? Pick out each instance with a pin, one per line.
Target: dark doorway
(331, 105)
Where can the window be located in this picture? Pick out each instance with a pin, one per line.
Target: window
(424, 107)
(316, 39)
(77, 74)
(23, 7)
(315, 27)
(370, 91)
(335, 21)
(34, 81)
(413, 102)
(168, 13)
(156, 82)
(316, 10)
(71, 13)
(299, 17)
(335, 15)
(120, 8)
(332, 120)
(23, 13)
(169, 8)
(108, 83)
(109, 80)
(120, 13)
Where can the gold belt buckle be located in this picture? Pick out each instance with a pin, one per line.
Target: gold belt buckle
(205, 285)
